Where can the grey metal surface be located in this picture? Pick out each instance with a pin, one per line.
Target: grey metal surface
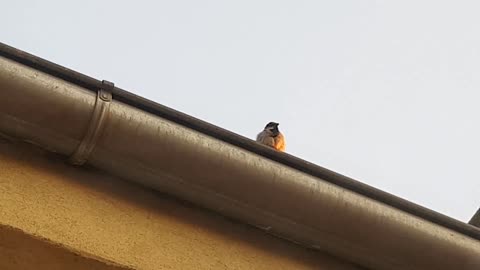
(475, 220)
(164, 112)
(142, 147)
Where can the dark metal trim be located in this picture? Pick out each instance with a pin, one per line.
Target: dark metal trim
(475, 220)
(240, 141)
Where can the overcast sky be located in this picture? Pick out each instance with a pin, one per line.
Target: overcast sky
(386, 92)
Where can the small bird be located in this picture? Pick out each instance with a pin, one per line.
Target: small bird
(272, 137)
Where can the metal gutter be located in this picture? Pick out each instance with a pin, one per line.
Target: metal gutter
(238, 140)
(145, 142)
(475, 220)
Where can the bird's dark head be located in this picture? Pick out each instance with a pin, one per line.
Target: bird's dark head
(272, 127)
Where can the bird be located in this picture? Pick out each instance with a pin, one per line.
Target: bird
(272, 137)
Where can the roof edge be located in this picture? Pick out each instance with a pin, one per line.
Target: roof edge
(239, 141)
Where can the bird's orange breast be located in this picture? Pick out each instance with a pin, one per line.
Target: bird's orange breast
(279, 142)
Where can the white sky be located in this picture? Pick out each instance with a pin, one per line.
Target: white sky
(386, 92)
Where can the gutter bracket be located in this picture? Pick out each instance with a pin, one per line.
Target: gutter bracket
(96, 126)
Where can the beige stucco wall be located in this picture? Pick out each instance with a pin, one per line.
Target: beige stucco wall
(55, 216)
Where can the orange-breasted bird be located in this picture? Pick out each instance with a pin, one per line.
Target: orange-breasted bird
(272, 137)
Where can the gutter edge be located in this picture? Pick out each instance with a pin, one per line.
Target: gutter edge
(240, 141)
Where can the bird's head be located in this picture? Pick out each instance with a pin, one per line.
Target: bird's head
(273, 128)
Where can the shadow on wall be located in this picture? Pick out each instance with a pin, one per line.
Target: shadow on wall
(19, 250)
